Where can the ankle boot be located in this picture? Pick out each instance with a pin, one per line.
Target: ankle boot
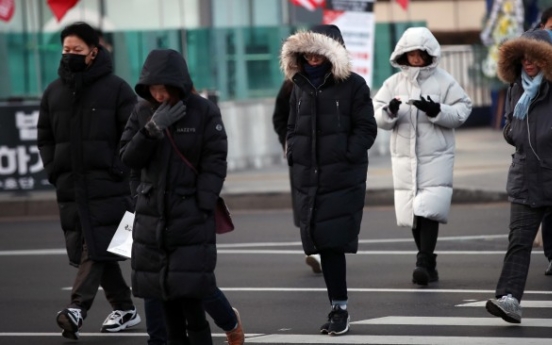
(432, 271)
(420, 275)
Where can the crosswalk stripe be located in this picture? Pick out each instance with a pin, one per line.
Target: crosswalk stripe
(452, 321)
(94, 334)
(392, 340)
(524, 304)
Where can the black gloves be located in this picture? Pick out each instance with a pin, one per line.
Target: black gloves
(393, 107)
(431, 108)
(165, 116)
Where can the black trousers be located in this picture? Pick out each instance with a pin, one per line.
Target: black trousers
(524, 224)
(425, 234)
(334, 269)
(93, 274)
(547, 235)
(186, 323)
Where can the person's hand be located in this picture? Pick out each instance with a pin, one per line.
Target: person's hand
(393, 106)
(166, 115)
(431, 108)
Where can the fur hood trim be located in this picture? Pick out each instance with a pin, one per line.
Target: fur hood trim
(536, 45)
(311, 42)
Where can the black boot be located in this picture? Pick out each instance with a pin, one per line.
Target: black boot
(202, 337)
(420, 275)
(433, 274)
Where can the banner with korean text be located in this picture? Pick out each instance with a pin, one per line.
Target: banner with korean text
(355, 19)
(20, 164)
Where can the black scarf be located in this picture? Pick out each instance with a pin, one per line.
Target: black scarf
(316, 74)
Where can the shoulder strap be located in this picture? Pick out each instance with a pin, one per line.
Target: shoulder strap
(169, 135)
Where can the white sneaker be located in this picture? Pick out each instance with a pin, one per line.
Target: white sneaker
(119, 320)
(314, 262)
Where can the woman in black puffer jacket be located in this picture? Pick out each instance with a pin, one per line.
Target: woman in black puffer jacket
(174, 250)
(330, 129)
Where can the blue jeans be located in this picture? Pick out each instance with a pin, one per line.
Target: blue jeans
(216, 305)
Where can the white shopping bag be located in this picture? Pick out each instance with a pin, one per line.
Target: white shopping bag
(121, 243)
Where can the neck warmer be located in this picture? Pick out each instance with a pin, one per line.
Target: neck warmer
(530, 88)
(316, 74)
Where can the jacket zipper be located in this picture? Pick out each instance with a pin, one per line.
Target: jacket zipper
(338, 115)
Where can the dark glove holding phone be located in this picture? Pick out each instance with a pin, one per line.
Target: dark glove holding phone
(393, 107)
(431, 108)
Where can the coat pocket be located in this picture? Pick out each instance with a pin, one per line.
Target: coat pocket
(144, 199)
(515, 186)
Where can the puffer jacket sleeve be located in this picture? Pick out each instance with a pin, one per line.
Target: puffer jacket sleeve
(381, 100)
(212, 164)
(364, 129)
(291, 127)
(456, 106)
(45, 140)
(137, 147)
(125, 103)
(508, 115)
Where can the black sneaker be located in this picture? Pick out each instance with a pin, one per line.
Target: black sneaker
(119, 320)
(339, 321)
(70, 321)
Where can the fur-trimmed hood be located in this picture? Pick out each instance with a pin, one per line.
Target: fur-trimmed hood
(536, 45)
(323, 40)
(413, 39)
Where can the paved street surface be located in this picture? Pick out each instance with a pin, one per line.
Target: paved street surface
(261, 268)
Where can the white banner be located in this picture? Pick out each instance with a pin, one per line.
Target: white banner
(355, 19)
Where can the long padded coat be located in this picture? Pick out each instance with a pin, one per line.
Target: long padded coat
(530, 174)
(79, 127)
(422, 147)
(330, 129)
(174, 250)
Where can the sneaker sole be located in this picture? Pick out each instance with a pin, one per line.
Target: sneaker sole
(339, 333)
(495, 310)
(66, 324)
(313, 264)
(70, 335)
(128, 324)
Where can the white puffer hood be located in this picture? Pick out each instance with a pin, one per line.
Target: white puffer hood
(416, 38)
(323, 40)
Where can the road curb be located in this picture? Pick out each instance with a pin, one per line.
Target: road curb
(45, 204)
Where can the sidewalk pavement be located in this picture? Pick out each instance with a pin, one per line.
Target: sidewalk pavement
(480, 172)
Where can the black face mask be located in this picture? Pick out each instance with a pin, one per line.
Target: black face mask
(73, 62)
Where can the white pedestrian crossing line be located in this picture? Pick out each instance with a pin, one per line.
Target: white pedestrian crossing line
(524, 304)
(451, 321)
(392, 340)
(97, 334)
(45, 252)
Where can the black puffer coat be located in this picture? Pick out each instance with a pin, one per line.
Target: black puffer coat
(530, 174)
(174, 250)
(79, 127)
(330, 131)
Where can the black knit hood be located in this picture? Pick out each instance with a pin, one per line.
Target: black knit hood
(164, 67)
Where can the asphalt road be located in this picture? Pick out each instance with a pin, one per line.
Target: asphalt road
(261, 269)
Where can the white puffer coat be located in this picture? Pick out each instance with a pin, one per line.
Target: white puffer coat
(422, 147)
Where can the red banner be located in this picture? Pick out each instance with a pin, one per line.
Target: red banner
(60, 7)
(403, 4)
(7, 7)
(310, 5)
